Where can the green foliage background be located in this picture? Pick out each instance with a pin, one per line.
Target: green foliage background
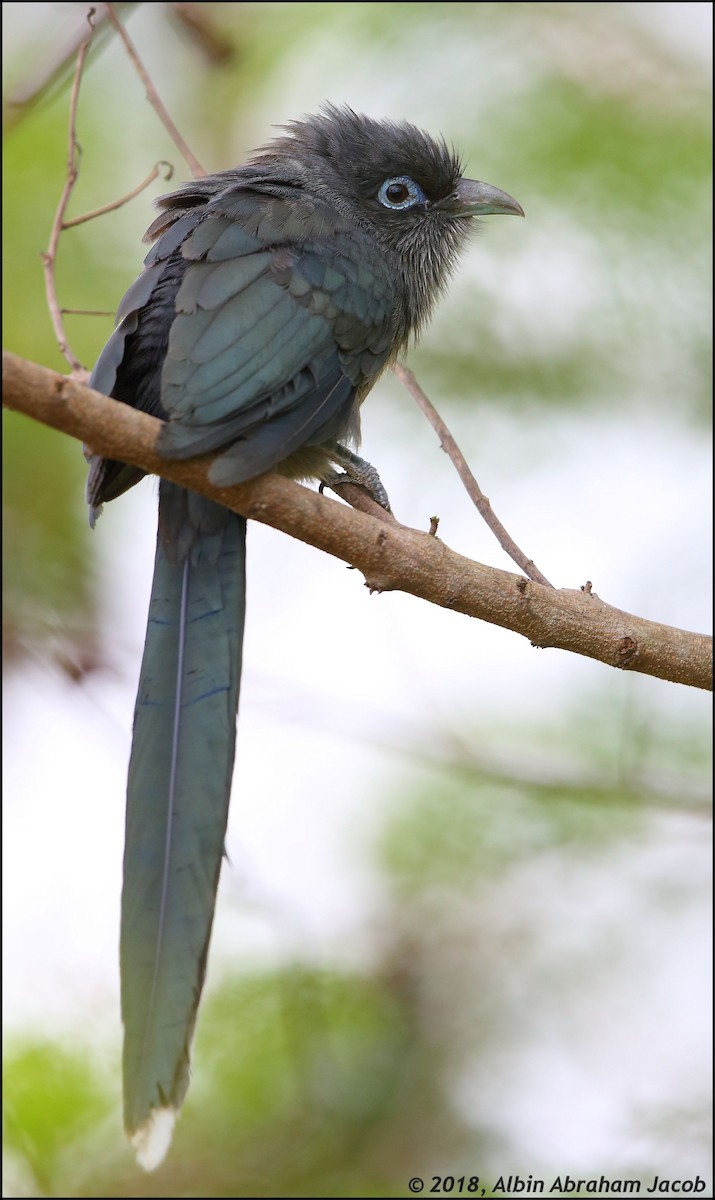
(314, 1082)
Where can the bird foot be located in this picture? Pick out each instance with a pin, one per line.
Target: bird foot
(357, 470)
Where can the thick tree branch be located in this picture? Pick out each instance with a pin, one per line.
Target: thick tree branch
(390, 556)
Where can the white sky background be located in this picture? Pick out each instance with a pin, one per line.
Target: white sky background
(333, 678)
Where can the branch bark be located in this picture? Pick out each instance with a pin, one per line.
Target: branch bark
(390, 556)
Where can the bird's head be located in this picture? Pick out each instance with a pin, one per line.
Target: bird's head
(395, 181)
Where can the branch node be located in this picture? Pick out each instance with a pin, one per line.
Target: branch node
(377, 586)
(626, 650)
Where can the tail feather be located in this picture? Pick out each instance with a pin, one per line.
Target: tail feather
(177, 804)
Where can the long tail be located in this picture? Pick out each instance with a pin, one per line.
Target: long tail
(177, 802)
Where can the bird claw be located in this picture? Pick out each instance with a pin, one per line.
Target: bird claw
(358, 471)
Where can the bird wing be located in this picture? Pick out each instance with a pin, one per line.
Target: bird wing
(272, 337)
(253, 326)
(129, 366)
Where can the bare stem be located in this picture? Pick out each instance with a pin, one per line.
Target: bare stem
(73, 156)
(107, 208)
(507, 543)
(153, 96)
(87, 312)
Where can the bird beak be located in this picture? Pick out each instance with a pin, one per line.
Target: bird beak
(475, 199)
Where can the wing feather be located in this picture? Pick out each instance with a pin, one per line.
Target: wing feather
(244, 336)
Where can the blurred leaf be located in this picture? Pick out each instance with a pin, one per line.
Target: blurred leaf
(47, 584)
(52, 1098)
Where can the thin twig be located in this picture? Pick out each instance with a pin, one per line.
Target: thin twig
(87, 312)
(153, 96)
(73, 156)
(507, 543)
(107, 208)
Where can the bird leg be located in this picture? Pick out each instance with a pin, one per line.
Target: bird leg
(357, 470)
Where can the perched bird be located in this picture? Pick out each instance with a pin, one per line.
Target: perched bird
(273, 297)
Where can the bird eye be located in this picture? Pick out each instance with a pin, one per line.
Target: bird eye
(401, 192)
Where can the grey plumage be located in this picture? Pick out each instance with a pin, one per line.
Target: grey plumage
(273, 297)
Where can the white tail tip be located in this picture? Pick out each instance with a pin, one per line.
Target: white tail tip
(152, 1140)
